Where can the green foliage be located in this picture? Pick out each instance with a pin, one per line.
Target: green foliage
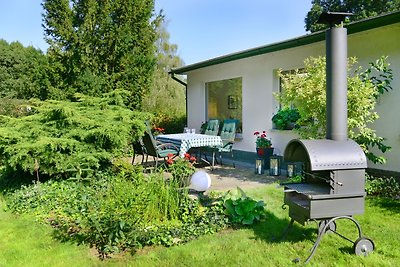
(116, 213)
(100, 46)
(167, 97)
(63, 137)
(181, 168)
(360, 10)
(308, 94)
(169, 122)
(294, 179)
(242, 209)
(382, 186)
(261, 140)
(24, 72)
(285, 117)
(14, 107)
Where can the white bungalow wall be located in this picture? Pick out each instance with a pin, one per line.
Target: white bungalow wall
(259, 81)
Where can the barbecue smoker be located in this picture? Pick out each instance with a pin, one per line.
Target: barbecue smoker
(333, 185)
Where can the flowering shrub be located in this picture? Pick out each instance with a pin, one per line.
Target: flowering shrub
(262, 141)
(181, 168)
(158, 130)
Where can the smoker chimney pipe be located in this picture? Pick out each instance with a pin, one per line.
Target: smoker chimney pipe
(336, 83)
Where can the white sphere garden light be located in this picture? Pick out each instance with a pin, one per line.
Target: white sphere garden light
(200, 181)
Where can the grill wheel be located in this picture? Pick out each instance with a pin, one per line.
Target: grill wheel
(363, 246)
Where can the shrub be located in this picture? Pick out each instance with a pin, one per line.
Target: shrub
(285, 117)
(306, 90)
(59, 136)
(382, 186)
(113, 214)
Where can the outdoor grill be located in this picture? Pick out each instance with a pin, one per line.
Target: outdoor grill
(333, 183)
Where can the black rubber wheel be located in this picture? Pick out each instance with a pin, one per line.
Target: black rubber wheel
(363, 246)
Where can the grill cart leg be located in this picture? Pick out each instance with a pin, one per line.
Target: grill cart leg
(362, 246)
(330, 228)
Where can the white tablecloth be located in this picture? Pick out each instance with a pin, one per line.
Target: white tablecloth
(185, 141)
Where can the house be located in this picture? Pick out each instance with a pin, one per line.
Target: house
(241, 85)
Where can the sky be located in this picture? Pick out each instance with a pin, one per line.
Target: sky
(202, 29)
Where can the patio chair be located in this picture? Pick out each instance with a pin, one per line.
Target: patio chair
(212, 127)
(138, 149)
(155, 148)
(227, 134)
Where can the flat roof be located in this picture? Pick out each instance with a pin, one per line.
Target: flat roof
(354, 27)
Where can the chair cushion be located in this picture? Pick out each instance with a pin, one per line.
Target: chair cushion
(164, 152)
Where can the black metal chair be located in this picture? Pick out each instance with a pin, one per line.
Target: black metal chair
(138, 149)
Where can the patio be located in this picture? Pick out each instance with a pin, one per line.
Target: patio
(226, 177)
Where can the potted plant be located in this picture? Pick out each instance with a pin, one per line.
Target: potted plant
(264, 147)
(286, 118)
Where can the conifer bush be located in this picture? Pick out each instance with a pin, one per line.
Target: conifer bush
(56, 137)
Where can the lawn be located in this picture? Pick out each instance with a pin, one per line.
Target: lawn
(25, 242)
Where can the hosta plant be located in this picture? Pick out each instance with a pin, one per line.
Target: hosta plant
(242, 209)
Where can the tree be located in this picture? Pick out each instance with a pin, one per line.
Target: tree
(166, 95)
(23, 72)
(100, 46)
(360, 8)
(306, 91)
(167, 98)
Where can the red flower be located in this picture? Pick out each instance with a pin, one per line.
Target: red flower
(187, 156)
(192, 159)
(170, 161)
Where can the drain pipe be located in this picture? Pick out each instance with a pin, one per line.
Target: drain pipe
(184, 84)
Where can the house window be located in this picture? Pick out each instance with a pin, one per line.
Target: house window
(285, 118)
(224, 100)
(299, 72)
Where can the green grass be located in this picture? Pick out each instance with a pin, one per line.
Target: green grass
(24, 242)
(27, 243)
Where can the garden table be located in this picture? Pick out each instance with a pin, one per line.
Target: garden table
(185, 141)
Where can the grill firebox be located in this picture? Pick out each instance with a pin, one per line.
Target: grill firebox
(333, 185)
(334, 174)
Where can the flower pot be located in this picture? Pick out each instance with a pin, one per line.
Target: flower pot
(265, 153)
